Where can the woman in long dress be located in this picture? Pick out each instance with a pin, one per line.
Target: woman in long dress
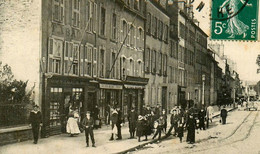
(235, 26)
(72, 124)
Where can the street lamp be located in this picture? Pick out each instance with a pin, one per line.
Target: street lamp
(203, 87)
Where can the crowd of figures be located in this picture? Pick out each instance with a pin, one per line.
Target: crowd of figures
(151, 121)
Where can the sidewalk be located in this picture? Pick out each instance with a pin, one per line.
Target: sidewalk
(65, 144)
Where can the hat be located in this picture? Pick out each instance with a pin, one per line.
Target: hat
(88, 112)
(36, 106)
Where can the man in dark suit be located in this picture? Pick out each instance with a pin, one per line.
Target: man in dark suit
(88, 124)
(35, 120)
(119, 124)
(223, 115)
(132, 119)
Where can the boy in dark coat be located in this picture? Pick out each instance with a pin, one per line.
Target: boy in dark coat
(159, 127)
(174, 122)
(119, 124)
(140, 128)
(88, 124)
(202, 115)
(191, 126)
(132, 118)
(35, 120)
(223, 114)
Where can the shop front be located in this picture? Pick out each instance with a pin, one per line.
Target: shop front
(63, 94)
(133, 94)
(110, 97)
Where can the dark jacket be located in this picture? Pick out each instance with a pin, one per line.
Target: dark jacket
(202, 114)
(140, 128)
(120, 118)
(174, 119)
(87, 122)
(223, 113)
(35, 118)
(114, 118)
(132, 117)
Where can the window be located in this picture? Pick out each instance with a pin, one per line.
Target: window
(81, 60)
(166, 33)
(113, 26)
(160, 30)
(94, 62)
(76, 13)
(159, 63)
(123, 65)
(89, 15)
(139, 69)
(124, 31)
(131, 71)
(147, 60)
(88, 60)
(141, 38)
(68, 57)
(55, 55)
(132, 35)
(75, 65)
(102, 63)
(136, 4)
(103, 21)
(165, 65)
(155, 27)
(113, 58)
(149, 23)
(58, 11)
(153, 61)
(182, 30)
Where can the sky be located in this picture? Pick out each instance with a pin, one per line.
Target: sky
(243, 53)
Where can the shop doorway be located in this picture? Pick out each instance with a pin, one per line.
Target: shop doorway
(91, 101)
(164, 98)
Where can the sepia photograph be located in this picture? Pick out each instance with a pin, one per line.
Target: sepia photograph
(129, 77)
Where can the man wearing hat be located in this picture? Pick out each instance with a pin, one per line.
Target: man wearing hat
(132, 118)
(35, 122)
(88, 124)
(174, 122)
(119, 123)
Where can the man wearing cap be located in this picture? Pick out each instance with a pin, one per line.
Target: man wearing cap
(35, 122)
(132, 118)
(174, 122)
(88, 124)
(119, 124)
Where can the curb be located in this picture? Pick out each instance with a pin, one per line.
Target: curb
(162, 138)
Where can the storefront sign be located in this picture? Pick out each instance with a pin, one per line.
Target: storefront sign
(134, 86)
(110, 86)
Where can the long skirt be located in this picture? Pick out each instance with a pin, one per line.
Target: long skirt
(72, 126)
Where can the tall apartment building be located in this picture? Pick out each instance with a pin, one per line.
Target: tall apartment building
(92, 54)
(156, 53)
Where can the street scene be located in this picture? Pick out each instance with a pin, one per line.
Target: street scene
(129, 76)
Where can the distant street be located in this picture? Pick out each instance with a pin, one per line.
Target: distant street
(239, 136)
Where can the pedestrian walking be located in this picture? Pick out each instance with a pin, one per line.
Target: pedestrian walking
(35, 120)
(72, 127)
(88, 124)
(119, 124)
(159, 128)
(157, 111)
(180, 131)
(107, 114)
(201, 116)
(191, 126)
(174, 122)
(132, 118)
(223, 115)
(140, 128)
(210, 113)
(114, 119)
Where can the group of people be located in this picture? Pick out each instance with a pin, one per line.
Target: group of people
(149, 121)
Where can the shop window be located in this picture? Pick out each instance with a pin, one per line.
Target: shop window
(55, 106)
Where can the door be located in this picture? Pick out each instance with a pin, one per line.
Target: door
(91, 102)
(164, 98)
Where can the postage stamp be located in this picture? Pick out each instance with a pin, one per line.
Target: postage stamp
(234, 20)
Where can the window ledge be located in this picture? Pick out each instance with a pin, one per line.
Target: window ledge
(13, 129)
(102, 36)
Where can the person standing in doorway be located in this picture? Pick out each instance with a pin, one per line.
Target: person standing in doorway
(88, 124)
(223, 115)
(35, 120)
